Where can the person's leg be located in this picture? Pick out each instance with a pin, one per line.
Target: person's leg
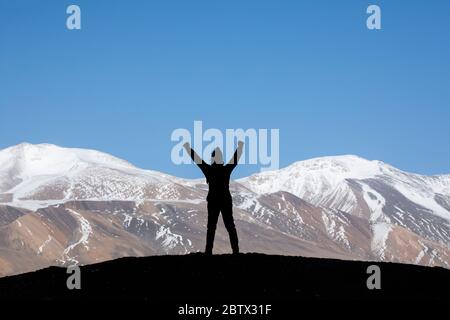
(227, 215)
(213, 216)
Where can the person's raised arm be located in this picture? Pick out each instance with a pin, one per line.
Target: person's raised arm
(237, 155)
(194, 156)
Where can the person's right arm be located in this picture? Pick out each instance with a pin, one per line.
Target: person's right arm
(194, 156)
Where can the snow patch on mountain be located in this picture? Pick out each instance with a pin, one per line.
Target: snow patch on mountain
(381, 232)
(85, 230)
(375, 202)
(423, 197)
(169, 239)
(41, 248)
(334, 226)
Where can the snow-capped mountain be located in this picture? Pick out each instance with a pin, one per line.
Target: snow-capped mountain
(330, 182)
(65, 206)
(392, 201)
(33, 176)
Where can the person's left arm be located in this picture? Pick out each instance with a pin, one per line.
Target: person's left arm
(236, 156)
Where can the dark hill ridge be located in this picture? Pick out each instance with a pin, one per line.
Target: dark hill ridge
(247, 278)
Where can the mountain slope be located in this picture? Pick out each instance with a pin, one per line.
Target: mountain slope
(397, 205)
(61, 206)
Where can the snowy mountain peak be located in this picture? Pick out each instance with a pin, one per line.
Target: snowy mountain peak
(27, 160)
(37, 175)
(314, 176)
(331, 182)
(344, 166)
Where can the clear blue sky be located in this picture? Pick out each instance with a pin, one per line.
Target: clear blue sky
(139, 69)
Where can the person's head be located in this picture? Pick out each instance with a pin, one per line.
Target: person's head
(217, 156)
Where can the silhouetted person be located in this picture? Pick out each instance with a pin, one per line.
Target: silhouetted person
(219, 198)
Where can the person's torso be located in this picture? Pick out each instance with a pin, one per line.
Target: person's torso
(218, 179)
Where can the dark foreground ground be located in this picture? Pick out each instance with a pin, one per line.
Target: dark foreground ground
(198, 280)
